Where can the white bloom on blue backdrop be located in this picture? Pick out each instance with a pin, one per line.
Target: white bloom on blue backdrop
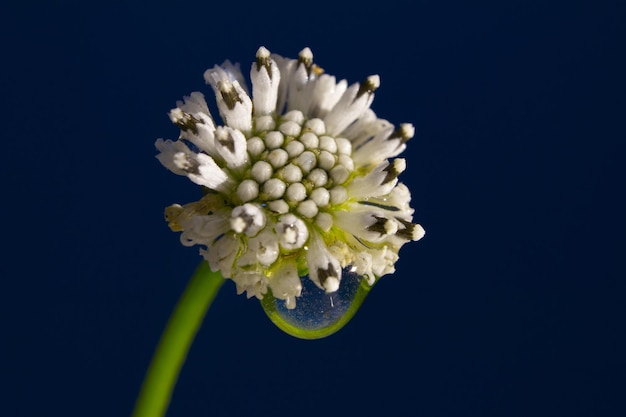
(301, 179)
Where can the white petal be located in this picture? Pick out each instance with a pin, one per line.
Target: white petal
(285, 284)
(386, 144)
(221, 255)
(231, 146)
(396, 203)
(233, 101)
(352, 105)
(364, 128)
(372, 225)
(254, 283)
(286, 67)
(325, 95)
(226, 71)
(199, 167)
(262, 249)
(206, 172)
(168, 150)
(301, 83)
(265, 77)
(266, 247)
(195, 105)
(362, 264)
(204, 229)
(195, 122)
(406, 232)
(377, 182)
(324, 269)
(383, 261)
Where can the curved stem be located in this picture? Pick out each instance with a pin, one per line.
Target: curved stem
(177, 337)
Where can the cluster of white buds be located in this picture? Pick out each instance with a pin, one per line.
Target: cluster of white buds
(298, 180)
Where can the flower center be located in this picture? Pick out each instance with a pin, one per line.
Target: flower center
(295, 167)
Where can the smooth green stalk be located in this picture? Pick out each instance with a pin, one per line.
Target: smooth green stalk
(172, 349)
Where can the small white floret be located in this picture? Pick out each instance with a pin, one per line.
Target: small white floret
(234, 104)
(310, 140)
(307, 208)
(278, 158)
(292, 173)
(339, 174)
(296, 192)
(324, 268)
(247, 190)
(274, 139)
(292, 232)
(324, 220)
(248, 219)
(265, 77)
(231, 146)
(338, 195)
(294, 148)
(290, 128)
(318, 177)
(278, 206)
(294, 116)
(328, 143)
(261, 171)
(255, 146)
(306, 161)
(286, 285)
(274, 188)
(326, 160)
(265, 123)
(316, 126)
(321, 196)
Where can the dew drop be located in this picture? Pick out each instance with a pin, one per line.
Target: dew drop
(318, 314)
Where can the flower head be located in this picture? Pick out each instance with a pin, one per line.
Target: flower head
(299, 180)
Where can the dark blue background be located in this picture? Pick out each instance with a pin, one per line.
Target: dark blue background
(512, 305)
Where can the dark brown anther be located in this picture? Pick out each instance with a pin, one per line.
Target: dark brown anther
(230, 96)
(368, 86)
(264, 61)
(188, 122)
(379, 225)
(408, 233)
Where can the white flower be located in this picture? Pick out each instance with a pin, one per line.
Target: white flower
(297, 181)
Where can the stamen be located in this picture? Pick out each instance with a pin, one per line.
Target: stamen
(263, 60)
(395, 168)
(184, 121)
(305, 57)
(382, 225)
(368, 86)
(410, 232)
(261, 171)
(404, 132)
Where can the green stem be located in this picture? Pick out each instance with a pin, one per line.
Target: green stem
(172, 349)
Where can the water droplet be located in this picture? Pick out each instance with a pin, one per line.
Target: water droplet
(318, 314)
